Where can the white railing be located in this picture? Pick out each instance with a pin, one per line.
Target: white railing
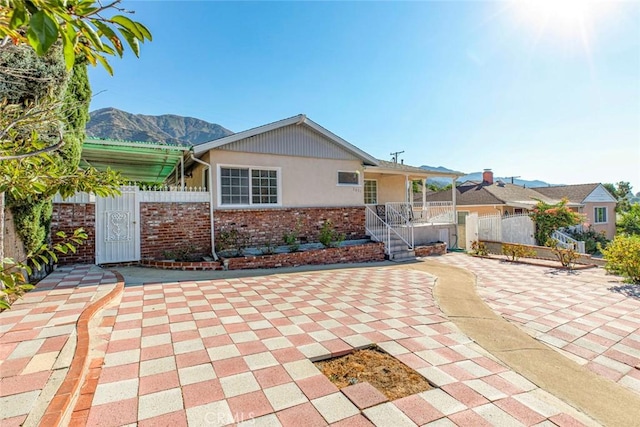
(399, 217)
(381, 231)
(434, 212)
(567, 241)
(149, 194)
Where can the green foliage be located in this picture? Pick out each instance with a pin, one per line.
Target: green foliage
(566, 256)
(515, 252)
(75, 113)
(32, 221)
(79, 26)
(185, 253)
(622, 192)
(14, 275)
(629, 223)
(329, 237)
(623, 257)
(232, 240)
(291, 238)
(548, 218)
(591, 238)
(479, 248)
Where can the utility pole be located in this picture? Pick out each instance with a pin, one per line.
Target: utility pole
(394, 155)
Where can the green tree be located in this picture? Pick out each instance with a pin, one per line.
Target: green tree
(629, 222)
(622, 192)
(44, 107)
(550, 217)
(85, 28)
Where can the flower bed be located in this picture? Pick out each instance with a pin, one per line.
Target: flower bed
(432, 249)
(346, 253)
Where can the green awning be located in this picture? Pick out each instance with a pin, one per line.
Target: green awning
(136, 161)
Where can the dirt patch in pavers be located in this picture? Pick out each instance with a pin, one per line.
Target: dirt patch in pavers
(390, 376)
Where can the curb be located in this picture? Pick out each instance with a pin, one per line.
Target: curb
(68, 390)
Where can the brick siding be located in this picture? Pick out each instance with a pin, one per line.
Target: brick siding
(68, 217)
(435, 249)
(174, 227)
(268, 225)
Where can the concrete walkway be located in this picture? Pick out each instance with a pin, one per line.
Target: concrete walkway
(596, 395)
(218, 350)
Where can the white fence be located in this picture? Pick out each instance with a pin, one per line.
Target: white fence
(147, 195)
(509, 229)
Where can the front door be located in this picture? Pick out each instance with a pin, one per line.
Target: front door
(118, 227)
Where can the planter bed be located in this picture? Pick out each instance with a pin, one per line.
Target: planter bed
(432, 249)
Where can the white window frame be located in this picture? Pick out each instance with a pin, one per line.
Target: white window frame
(357, 172)
(467, 213)
(251, 204)
(364, 191)
(595, 215)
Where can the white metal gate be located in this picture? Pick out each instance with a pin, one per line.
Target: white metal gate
(518, 229)
(118, 227)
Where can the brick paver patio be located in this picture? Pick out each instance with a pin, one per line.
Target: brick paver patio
(240, 350)
(36, 330)
(589, 316)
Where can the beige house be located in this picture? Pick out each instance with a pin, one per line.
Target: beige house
(295, 171)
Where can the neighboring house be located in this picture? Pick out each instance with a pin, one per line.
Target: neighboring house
(593, 200)
(295, 173)
(489, 197)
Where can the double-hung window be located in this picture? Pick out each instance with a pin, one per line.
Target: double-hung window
(248, 186)
(600, 215)
(348, 178)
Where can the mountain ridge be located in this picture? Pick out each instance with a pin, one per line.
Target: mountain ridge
(477, 176)
(112, 123)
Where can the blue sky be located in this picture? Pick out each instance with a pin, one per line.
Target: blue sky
(549, 93)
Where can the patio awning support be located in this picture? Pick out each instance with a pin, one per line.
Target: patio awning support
(210, 179)
(424, 194)
(453, 198)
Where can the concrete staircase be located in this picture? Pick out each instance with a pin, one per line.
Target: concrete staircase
(399, 251)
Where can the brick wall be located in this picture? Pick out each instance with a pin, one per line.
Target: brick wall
(68, 217)
(174, 227)
(435, 249)
(264, 225)
(368, 252)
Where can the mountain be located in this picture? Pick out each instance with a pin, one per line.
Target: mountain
(112, 123)
(477, 176)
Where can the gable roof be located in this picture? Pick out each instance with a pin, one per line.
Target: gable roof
(299, 120)
(493, 194)
(575, 193)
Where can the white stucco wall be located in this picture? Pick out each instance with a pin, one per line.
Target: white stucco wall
(304, 181)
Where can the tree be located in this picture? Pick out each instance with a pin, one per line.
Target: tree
(622, 192)
(629, 222)
(83, 28)
(551, 217)
(44, 97)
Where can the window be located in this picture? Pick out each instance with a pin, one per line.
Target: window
(462, 217)
(518, 211)
(348, 178)
(248, 186)
(370, 192)
(600, 215)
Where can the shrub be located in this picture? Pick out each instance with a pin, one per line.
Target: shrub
(290, 238)
(623, 257)
(479, 248)
(591, 238)
(232, 240)
(566, 256)
(329, 237)
(549, 218)
(515, 252)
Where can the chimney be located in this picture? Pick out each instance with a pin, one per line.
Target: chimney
(487, 177)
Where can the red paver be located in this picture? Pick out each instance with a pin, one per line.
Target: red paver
(200, 393)
(272, 376)
(292, 417)
(249, 405)
(316, 386)
(416, 408)
(469, 418)
(364, 395)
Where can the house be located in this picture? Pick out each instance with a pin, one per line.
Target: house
(252, 188)
(294, 174)
(592, 200)
(489, 197)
